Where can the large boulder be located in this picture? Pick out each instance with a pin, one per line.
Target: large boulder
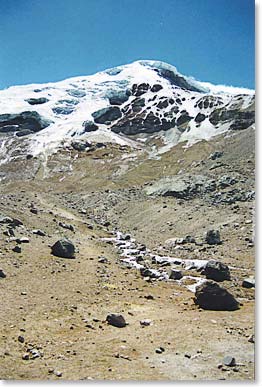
(216, 271)
(211, 296)
(28, 120)
(107, 115)
(63, 248)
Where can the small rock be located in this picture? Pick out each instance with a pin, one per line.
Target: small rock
(251, 339)
(38, 232)
(160, 350)
(187, 355)
(25, 356)
(22, 240)
(21, 339)
(175, 274)
(145, 323)
(17, 249)
(248, 283)
(103, 260)
(126, 237)
(66, 226)
(35, 353)
(57, 373)
(229, 361)
(149, 297)
(2, 274)
(117, 320)
(34, 210)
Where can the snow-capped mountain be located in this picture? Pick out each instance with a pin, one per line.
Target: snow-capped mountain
(125, 105)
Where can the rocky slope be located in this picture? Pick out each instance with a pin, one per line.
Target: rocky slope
(162, 231)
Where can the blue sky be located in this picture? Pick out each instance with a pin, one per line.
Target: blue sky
(50, 40)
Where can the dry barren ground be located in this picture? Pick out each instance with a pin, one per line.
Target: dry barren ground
(55, 309)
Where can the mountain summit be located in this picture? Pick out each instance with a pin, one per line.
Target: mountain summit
(126, 104)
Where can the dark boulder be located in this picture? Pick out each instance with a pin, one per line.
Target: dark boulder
(89, 126)
(212, 237)
(211, 296)
(116, 320)
(200, 117)
(37, 101)
(155, 88)
(63, 248)
(248, 283)
(17, 249)
(28, 120)
(107, 115)
(175, 274)
(216, 271)
(2, 274)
